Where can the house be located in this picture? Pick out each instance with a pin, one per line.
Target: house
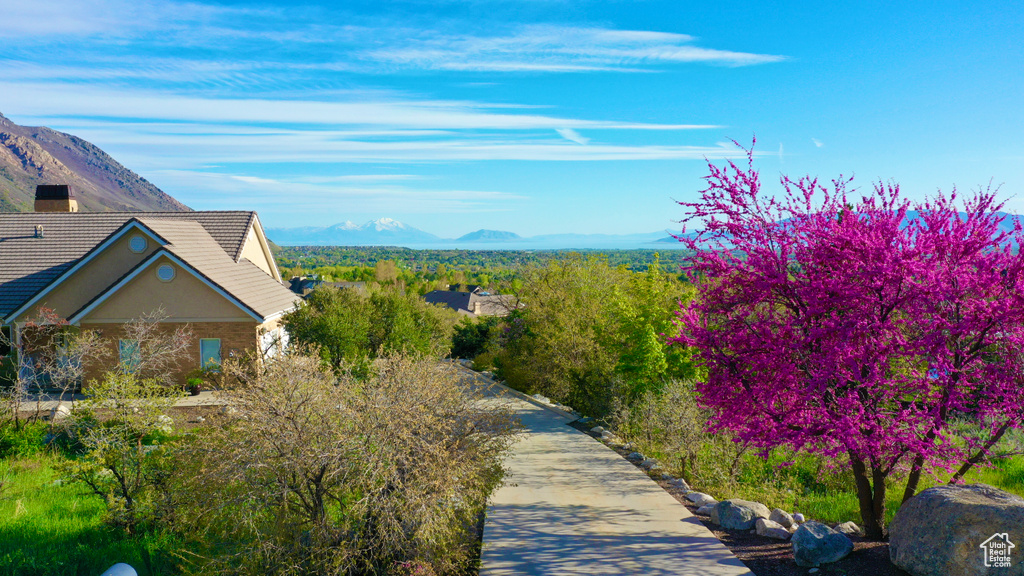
(211, 270)
(473, 304)
(303, 285)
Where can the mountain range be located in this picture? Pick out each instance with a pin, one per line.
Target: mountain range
(39, 155)
(389, 232)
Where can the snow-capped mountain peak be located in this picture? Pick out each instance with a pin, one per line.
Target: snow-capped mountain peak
(382, 224)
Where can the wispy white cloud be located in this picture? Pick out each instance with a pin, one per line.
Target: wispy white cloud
(572, 135)
(288, 196)
(107, 18)
(817, 143)
(545, 48)
(42, 99)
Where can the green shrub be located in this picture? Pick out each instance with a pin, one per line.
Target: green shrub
(346, 325)
(26, 440)
(471, 336)
(330, 475)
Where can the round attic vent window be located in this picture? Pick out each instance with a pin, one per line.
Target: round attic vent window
(165, 272)
(137, 244)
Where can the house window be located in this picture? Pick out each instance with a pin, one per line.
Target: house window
(165, 272)
(209, 353)
(137, 244)
(6, 342)
(129, 354)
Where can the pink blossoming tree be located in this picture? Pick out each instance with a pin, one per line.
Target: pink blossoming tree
(858, 329)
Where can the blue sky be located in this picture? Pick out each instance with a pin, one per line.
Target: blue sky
(535, 116)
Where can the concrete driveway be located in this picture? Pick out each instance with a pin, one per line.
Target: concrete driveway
(573, 506)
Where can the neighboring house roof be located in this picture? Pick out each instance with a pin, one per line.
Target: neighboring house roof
(209, 243)
(471, 303)
(302, 285)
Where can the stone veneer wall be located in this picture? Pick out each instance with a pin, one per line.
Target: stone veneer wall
(236, 338)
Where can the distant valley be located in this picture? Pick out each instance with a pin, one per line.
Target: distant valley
(389, 232)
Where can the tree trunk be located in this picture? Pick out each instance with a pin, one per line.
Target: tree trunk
(980, 454)
(878, 503)
(873, 527)
(914, 478)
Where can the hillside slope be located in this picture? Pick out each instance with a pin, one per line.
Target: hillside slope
(39, 155)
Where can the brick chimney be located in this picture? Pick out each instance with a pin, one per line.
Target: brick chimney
(55, 198)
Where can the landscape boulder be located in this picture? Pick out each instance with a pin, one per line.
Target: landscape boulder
(636, 457)
(650, 464)
(597, 430)
(815, 544)
(701, 499)
(679, 483)
(771, 529)
(120, 569)
(951, 530)
(736, 514)
(850, 529)
(60, 412)
(799, 518)
(706, 509)
(782, 518)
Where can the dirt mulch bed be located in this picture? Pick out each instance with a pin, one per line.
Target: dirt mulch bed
(769, 557)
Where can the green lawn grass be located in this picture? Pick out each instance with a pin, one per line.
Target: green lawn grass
(54, 529)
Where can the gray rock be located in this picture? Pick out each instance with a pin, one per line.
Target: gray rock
(736, 514)
(636, 457)
(815, 544)
(597, 430)
(706, 509)
(120, 569)
(667, 477)
(814, 570)
(782, 518)
(950, 529)
(679, 483)
(799, 518)
(627, 446)
(771, 529)
(60, 412)
(607, 436)
(650, 464)
(701, 499)
(850, 529)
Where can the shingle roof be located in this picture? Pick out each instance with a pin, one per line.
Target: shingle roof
(465, 302)
(28, 264)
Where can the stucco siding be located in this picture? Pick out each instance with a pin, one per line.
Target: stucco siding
(102, 270)
(185, 298)
(253, 251)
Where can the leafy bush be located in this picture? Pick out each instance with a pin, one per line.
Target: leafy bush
(24, 440)
(345, 325)
(320, 474)
(471, 336)
(125, 458)
(591, 334)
